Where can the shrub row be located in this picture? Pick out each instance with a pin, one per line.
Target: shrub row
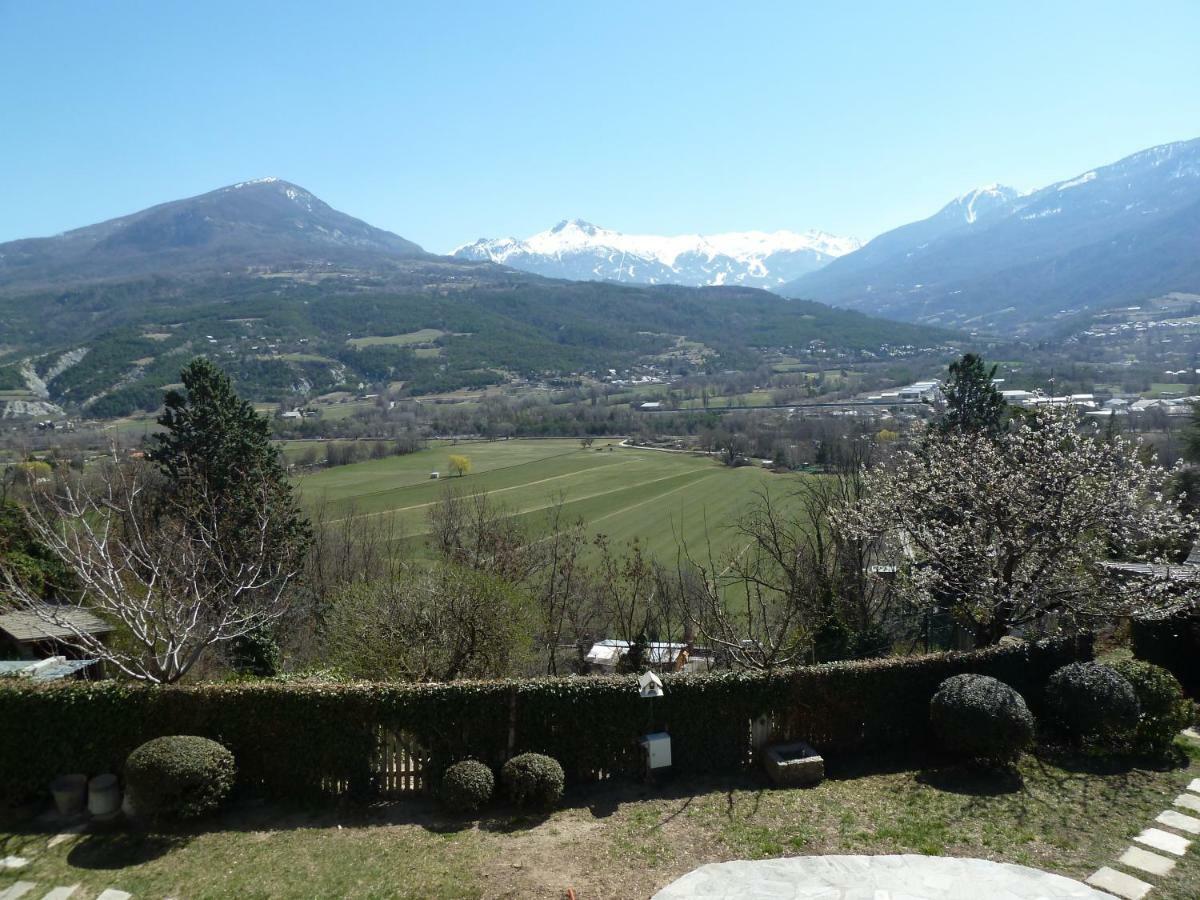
(301, 738)
(1172, 643)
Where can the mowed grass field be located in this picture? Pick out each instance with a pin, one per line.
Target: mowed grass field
(660, 498)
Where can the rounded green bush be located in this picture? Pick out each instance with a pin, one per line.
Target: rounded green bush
(981, 718)
(1093, 702)
(1165, 711)
(532, 779)
(467, 786)
(179, 776)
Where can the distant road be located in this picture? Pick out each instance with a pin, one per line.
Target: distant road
(840, 404)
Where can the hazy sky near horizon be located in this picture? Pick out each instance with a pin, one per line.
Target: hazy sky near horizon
(445, 122)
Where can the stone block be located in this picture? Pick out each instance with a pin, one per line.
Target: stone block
(1189, 802)
(1119, 883)
(1137, 858)
(1179, 821)
(791, 765)
(1164, 841)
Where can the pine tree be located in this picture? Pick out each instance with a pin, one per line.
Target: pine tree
(973, 405)
(215, 447)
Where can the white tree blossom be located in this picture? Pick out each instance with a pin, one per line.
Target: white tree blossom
(168, 577)
(1004, 531)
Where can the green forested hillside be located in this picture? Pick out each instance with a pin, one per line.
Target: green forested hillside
(290, 333)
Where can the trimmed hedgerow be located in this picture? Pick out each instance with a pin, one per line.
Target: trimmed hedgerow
(1165, 711)
(981, 718)
(1093, 702)
(533, 779)
(301, 738)
(179, 777)
(467, 786)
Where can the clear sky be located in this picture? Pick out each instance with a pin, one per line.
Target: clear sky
(449, 121)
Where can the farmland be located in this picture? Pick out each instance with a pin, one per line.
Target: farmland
(621, 492)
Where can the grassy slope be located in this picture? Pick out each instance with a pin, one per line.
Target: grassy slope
(623, 493)
(626, 840)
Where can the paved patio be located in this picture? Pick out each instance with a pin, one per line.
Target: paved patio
(908, 877)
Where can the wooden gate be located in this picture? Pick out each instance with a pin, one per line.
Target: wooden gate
(399, 765)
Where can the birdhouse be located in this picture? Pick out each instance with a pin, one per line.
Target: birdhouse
(650, 685)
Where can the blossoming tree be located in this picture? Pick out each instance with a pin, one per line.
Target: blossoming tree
(1006, 530)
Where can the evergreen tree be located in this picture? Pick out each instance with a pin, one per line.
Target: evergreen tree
(215, 447)
(973, 405)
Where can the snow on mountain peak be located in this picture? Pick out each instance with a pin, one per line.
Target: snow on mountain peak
(740, 257)
(982, 199)
(270, 179)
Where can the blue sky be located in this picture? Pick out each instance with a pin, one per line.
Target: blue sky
(447, 121)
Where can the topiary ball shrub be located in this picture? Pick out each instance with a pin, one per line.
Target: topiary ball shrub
(1165, 711)
(1093, 702)
(467, 786)
(532, 779)
(178, 777)
(981, 718)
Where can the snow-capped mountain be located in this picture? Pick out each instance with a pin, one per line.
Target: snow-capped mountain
(580, 251)
(1009, 262)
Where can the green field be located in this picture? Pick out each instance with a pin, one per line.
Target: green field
(1166, 389)
(622, 493)
(424, 336)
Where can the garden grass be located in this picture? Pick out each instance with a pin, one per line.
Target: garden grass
(626, 840)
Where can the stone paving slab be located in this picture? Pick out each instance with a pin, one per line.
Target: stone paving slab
(1137, 858)
(1194, 785)
(906, 877)
(1163, 840)
(1179, 821)
(1189, 802)
(20, 889)
(114, 894)
(67, 833)
(13, 862)
(1119, 883)
(61, 893)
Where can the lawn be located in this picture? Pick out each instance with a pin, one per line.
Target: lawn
(621, 492)
(627, 840)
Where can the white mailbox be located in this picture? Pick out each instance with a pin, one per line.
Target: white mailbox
(658, 750)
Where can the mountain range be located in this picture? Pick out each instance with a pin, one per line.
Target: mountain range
(579, 250)
(296, 299)
(1000, 261)
(264, 222)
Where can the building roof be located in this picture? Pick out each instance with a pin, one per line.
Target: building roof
(44, 669)
(1183, 572)
(27, 626)
(608, 652)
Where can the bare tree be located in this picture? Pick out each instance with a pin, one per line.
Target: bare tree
(168, 574)
(799, 589)
(624, 589)
(562, 578)
(742, 620)
(468, 529)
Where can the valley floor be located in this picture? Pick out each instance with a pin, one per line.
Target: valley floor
(660, 498)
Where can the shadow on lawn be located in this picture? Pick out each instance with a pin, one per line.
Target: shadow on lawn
(973, 781)
(120, 849)
(1100, 762)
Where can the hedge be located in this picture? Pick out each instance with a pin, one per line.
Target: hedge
(1172, 643)
(297, 739)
